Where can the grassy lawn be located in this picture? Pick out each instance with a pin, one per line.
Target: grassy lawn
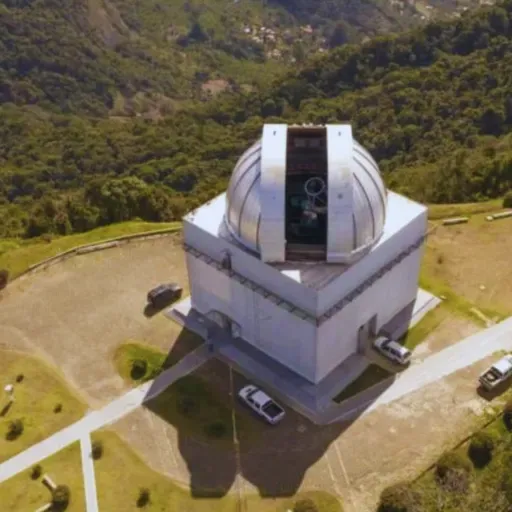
(120, 474)
(17, 255)
(155, 360)
(371, 376)
(23, 494)
(429, 323)
(36, 397)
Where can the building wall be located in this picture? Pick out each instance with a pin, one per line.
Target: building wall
(338, 336)
(381, 254)
(270, 328)
(251, 267)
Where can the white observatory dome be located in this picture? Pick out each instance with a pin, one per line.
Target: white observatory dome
(307, 160)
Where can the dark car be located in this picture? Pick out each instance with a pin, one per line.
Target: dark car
(164, 294)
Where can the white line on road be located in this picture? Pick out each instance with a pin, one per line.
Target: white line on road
(91, 496)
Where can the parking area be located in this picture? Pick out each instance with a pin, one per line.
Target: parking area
(76, 313)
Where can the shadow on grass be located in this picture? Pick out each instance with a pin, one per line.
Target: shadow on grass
(219, 438)
(5, 409)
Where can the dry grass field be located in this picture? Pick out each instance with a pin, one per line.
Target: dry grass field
(473, 260)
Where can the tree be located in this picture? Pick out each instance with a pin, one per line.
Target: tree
(339, 35)
(60, 497)
(4, 278)
(14, 430)
(507, 203)
(143, 498)
(397, 498)
(480, 449)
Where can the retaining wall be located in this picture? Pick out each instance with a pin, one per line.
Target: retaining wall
(97, 246)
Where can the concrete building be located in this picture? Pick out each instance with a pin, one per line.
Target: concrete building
(306, 256)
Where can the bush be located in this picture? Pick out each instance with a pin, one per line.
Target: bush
(452, 461)
(60, 497)
(452, 471)
(144, 497)
(397, 498)
(139, 369)
(217, 429)
(36, 471)
(507, 200)
(305, 505)
(188, 406)
(14, 430)
(4, 279)
(97, 450)
(480, 449)
(57, 408)
(507, 415)
(20, 377)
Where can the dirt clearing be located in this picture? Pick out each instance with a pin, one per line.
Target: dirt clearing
(76, 313)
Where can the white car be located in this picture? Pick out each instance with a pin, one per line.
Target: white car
(262, 404)
(392, 350)
(497, 373)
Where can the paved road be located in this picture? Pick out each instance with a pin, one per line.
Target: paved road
(91, 496)
(439, 365)
(109, 414)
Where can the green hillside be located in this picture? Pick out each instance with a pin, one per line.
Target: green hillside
(433, 105)
(149, 57)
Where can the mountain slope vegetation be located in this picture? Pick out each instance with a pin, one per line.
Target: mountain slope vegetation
(433, 105)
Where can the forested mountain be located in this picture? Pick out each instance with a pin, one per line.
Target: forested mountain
(123, 57)
(433, 105)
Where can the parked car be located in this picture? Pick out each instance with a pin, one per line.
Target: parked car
(497, 373)
(164, 294)
(392, 350)
(260, 402)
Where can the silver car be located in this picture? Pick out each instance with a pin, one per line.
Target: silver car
(262, 404)
(392, 350)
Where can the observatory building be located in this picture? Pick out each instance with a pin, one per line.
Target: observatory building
(306, 257)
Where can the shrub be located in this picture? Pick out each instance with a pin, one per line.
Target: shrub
(144, 497)
(4, 279)
(507, 200)
(14, 430)
(188, 406)
(20, 377)
(507, 415)
(97, 450)
(305, 505)
(139, 369)
(57, 408)
(480, 449)
(36, 471)
(452, 461)
(217, 429)
(452, 471)
(397, 498)
(60, 497)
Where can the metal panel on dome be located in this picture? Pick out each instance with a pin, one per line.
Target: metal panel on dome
(272, 192)
(340, 225)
